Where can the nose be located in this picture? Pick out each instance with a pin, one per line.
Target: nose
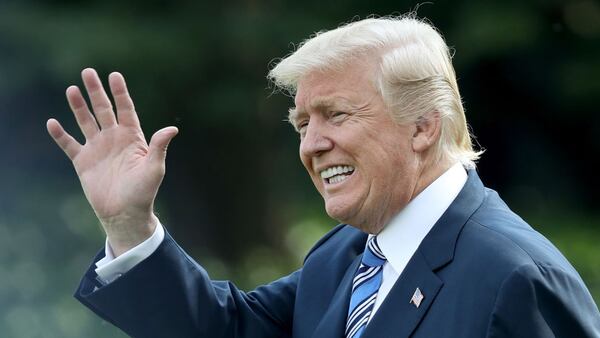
(315, 140)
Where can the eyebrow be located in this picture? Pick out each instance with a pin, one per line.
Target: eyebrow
(319, 103)
(292, 115)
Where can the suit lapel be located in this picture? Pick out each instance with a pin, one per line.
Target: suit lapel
(333, 323)
(438, 246)
(397, 316)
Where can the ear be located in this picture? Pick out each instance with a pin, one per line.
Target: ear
(427, 132)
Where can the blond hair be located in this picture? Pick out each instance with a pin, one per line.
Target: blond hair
(415, 75)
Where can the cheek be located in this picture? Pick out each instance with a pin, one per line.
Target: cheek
(318, 183)
(315, 178)
(305, 161)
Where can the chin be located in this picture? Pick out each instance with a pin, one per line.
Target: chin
(349, 216)
(340, 213)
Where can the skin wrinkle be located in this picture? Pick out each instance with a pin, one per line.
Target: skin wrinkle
(324, 105)
(359, 60)
(329, 105)
(389, 172)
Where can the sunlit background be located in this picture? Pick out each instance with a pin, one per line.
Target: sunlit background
(235, 195)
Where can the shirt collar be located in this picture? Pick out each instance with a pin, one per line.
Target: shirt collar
(401, 237)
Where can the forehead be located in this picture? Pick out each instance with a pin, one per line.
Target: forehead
(323, 89)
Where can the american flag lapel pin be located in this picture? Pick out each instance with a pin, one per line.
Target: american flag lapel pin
(417, 298)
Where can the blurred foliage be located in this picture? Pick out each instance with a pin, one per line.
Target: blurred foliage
(235, 195)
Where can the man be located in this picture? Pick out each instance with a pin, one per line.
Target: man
(424, 249)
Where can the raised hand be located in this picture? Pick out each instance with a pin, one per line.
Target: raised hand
(119, 171)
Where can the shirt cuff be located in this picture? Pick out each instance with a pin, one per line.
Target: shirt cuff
(110, 268)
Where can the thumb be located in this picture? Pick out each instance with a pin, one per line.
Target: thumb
(159, 142)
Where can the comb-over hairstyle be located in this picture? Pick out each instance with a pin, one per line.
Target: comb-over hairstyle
(415, 76)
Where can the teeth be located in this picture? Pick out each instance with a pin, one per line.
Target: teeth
(330, 172)
(337, 179)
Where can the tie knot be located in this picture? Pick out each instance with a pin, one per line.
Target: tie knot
(373, 256)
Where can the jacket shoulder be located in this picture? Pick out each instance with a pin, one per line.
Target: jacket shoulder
(543, 301)
(340, 235)
(507, 240)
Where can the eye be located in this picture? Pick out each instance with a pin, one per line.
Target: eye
(338, 115)
(301, 126)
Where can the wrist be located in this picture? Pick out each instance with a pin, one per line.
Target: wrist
(127, 233)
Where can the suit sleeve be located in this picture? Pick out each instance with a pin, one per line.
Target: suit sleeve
(170, 295)
(540, 301)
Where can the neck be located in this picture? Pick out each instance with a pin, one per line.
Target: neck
(429, 174)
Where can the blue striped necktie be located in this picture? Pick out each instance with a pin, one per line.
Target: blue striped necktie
(365, 285)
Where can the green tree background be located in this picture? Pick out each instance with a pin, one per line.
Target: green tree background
(236, 196)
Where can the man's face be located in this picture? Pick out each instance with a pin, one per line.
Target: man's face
(360, 160)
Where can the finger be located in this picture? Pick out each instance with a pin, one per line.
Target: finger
(125, 110)
(65, 141)
(86, 121)
(100, 102)
(159, 143)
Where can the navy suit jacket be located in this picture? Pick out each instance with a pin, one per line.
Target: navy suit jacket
(482, 270)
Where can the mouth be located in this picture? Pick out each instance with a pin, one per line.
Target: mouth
(336, 174)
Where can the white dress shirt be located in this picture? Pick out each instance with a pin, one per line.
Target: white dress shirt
(399, 239)
(110, 268)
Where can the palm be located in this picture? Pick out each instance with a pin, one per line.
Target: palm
(119, 171)
(114, 172)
